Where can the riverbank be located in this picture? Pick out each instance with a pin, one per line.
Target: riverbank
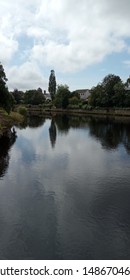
(36, 110)
(7, 121)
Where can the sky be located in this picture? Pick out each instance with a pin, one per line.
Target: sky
(82, 40)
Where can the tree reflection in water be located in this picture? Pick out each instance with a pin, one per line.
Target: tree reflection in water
(5, 145)
(52, 133)
(63, 123)
(111, 133)
(35, 121)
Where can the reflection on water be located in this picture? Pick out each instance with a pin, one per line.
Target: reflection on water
(5, 145)
(64, 190)
(111, 134)
(52, 133)
(35, 121)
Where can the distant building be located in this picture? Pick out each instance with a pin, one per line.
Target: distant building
(127, 87)
(47, 96)
(84, 93)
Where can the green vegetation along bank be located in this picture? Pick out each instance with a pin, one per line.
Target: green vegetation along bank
(7, 121)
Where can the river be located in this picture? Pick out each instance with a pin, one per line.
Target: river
(65, 189)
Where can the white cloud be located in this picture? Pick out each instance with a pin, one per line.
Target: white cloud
(26, 76)
(8, 46)
(127, 63)
(68, 35)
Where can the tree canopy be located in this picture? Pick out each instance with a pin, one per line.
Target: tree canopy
(6, 99)
(52, 84)
(34, 97)
(62, 96)
(111, 92)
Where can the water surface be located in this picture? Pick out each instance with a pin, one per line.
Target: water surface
(65, 190)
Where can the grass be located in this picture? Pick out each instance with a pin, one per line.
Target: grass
(7, 121)
(16, 117)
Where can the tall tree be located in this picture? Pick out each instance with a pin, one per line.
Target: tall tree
(6, 99)
(108, 85)
(52, 84)
(3, 78)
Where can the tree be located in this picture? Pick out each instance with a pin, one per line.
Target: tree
(3, 78)
(98, 97)
(120, 95)
(6, 99)
(108, 85)
(62, 96)
(109, 93)
(18, 96)
(34, 97)
(52, 84)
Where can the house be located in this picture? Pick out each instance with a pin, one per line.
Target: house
(84, 93)
(127, 87)
(47, 96)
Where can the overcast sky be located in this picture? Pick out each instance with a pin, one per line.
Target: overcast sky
(82, 40)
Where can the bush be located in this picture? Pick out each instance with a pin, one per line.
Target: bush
(16, 117)
(85, 107)
(70, 106)
(73, 100)
(23, 111)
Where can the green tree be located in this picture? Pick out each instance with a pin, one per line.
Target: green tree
(18, 96)
(74, 100)
(98, 97)
(62, 96)
(34, 97)
(52, 84)
(108, 85)
(127, 99)
(75, 94)
(119, 95)
(6, 99)
(109, 93)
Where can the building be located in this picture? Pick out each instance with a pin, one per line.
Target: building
(127, 87)
(84, 93)
(47, 96)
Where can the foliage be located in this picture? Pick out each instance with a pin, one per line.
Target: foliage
(62, 96)
(97, 97)
(73, 106)
(6, 99)
(52, 84)
(16, 117)
(34, 97)
(111, 92)
(18, 96)
(127, 99)
(119, 95)
(108, 86)
(75, 94)
(73, 100)
(85, 106)
(22, 110)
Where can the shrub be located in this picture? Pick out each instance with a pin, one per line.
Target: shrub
(16, 117)
(23, 111)
(85, 106)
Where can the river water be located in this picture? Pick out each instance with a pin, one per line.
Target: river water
(65, 190)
